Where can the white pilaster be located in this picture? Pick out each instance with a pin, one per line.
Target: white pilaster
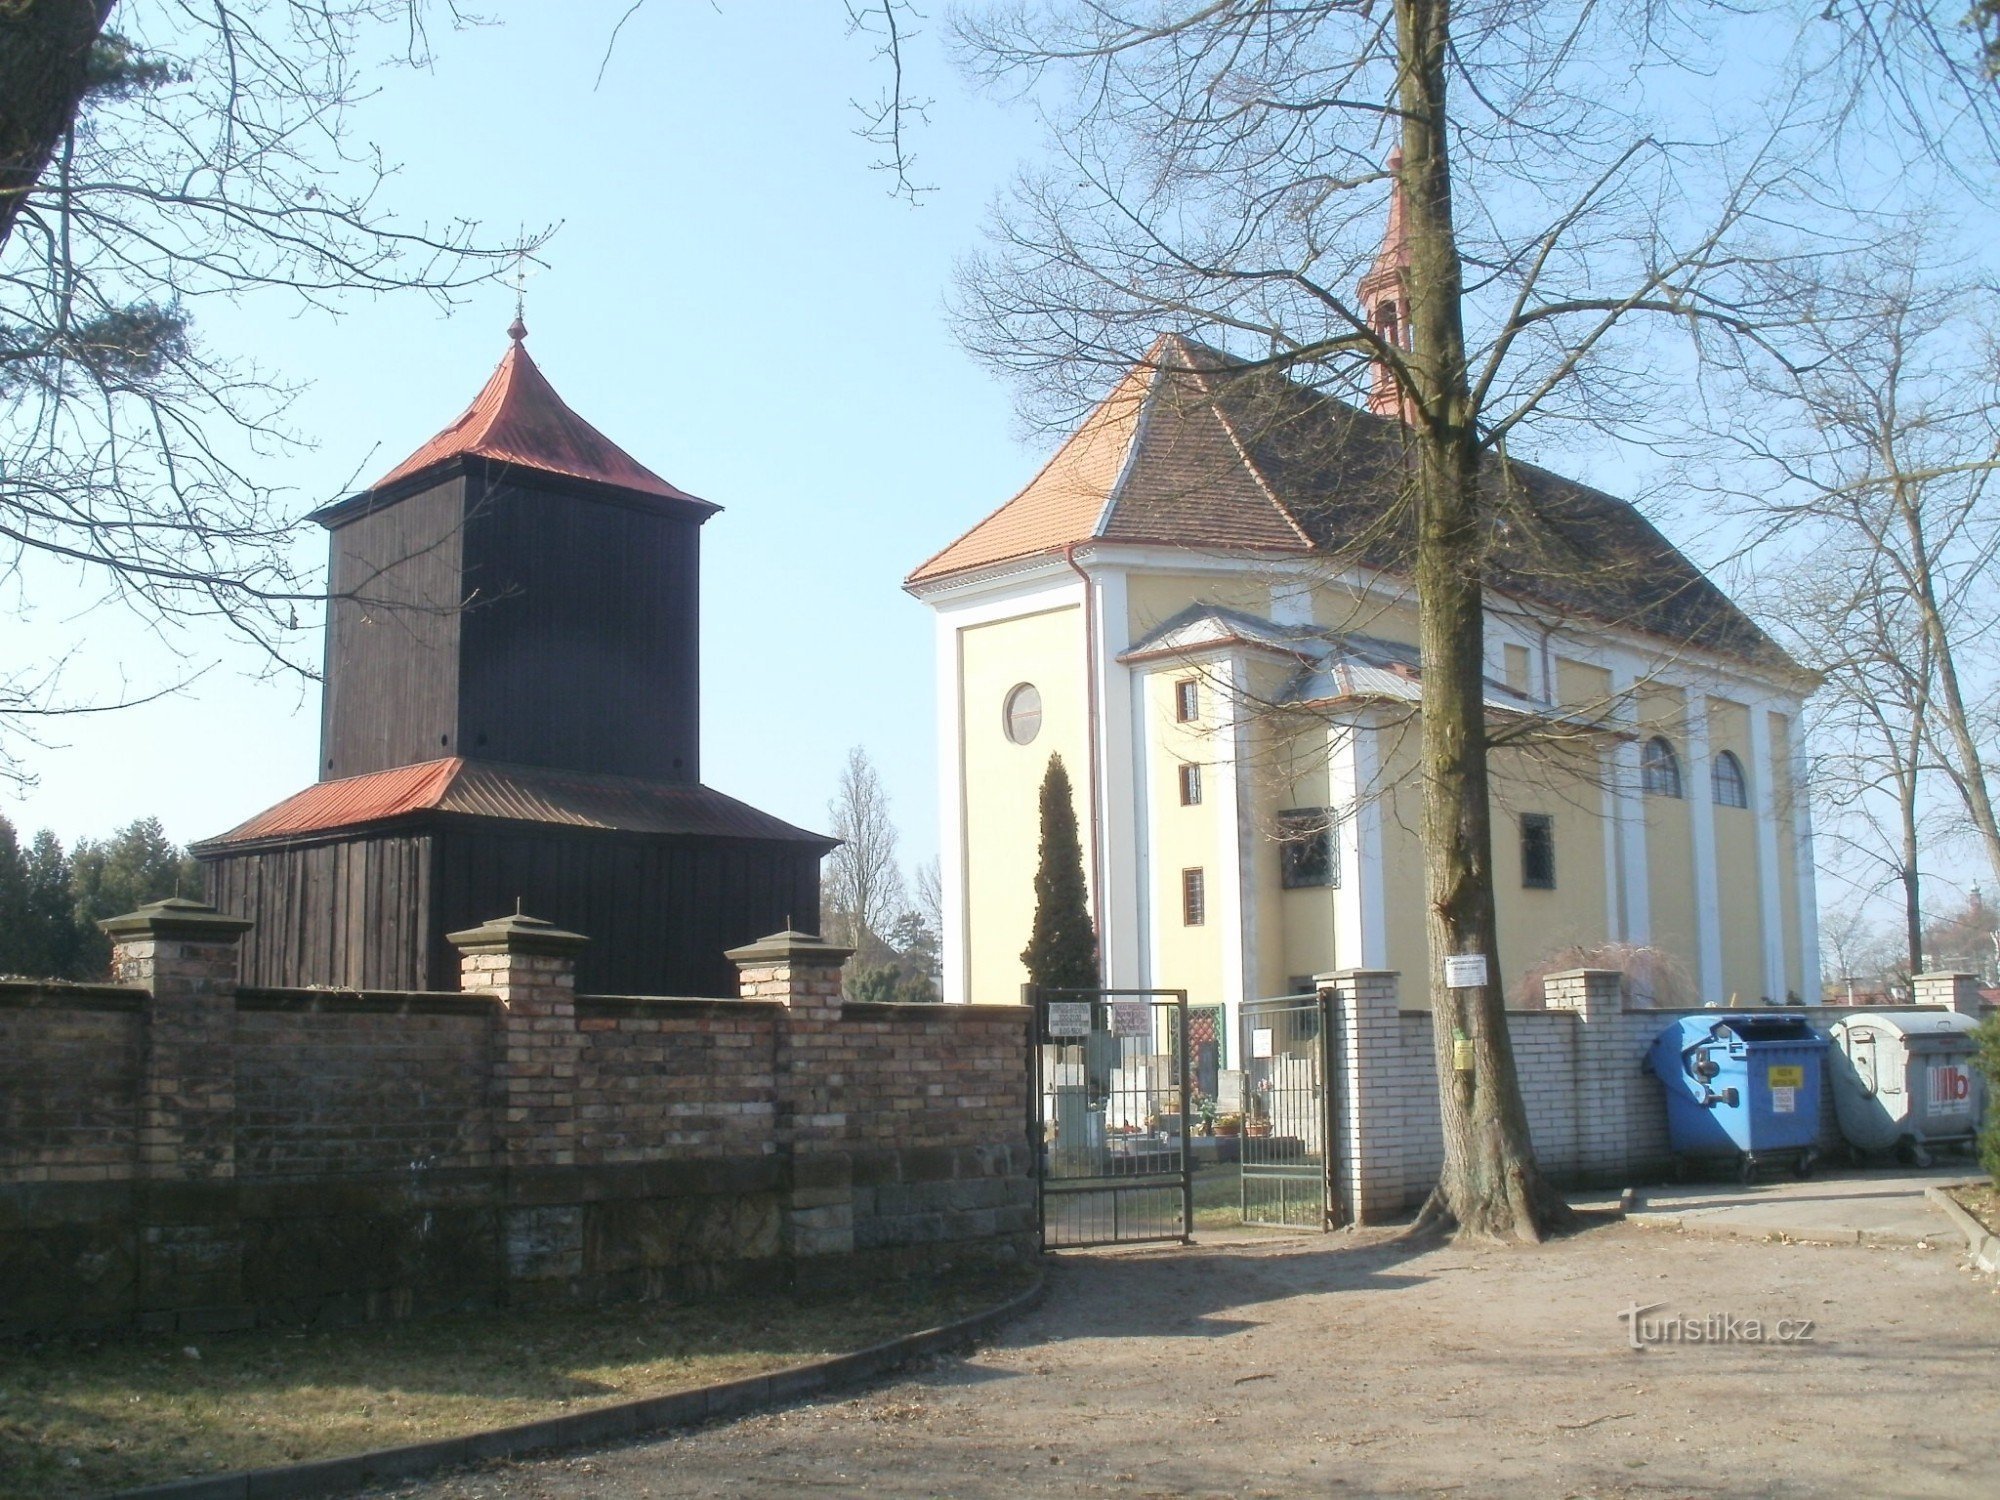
(1628, 799)
(1237, 927)
(1120, 811)
(1763, 805)
(954, 954)
(1802, 868)
(1701, 829)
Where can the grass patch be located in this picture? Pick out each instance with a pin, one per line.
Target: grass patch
(79, 1417)
(1982, 1202)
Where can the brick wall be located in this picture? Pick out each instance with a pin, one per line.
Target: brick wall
(184, 1155)
(335, 1084)
(70, 1058)
(1597, 1114)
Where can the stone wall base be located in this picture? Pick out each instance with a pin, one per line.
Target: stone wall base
(205, 1257)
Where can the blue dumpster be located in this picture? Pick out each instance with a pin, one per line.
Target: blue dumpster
(1745, 1087)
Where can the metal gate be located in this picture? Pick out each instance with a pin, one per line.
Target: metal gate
(1111, 1116)
(1288, 1113)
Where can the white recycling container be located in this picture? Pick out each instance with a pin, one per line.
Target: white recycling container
(1905, 1080)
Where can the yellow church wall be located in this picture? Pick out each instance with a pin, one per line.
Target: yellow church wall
(1305, 917)
(1783, 805)
(1387, 618)
(1582, 688)
(1003, 782)
(1184, 838)
(1737, 888)
(1151, 599)
(1670, 839)
(1566, 785)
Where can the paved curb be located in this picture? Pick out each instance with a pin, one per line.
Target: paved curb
(1983, 1247)
(597, 1427)
(1693, 1221)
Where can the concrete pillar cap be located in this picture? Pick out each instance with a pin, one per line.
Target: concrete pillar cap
(789, 947)
(176, 917)
(517, 933)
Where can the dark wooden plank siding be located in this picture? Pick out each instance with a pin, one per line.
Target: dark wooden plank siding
(372, 912)
(392, 653)
(349, 914)
(582, 648)
(659, 912)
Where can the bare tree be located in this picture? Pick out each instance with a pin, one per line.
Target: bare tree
(1871, 462)
(864, 887)
(156, 155)
(1219, 175)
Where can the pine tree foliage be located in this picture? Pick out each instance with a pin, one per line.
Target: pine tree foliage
(1062, 952)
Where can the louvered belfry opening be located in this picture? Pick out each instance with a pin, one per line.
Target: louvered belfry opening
(512, 712)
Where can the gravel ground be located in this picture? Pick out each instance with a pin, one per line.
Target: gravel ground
(1352, 1365)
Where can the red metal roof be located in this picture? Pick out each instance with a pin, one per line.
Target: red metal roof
(519, 419)
(521, 794)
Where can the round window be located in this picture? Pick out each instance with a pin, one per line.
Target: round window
(1024, 714)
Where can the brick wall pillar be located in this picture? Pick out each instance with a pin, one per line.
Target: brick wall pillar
(529, 965)
(1370, 1149)
(1959, 992)
(802, 972)
(1607, 1081)
(191, 1250)
(185, 953)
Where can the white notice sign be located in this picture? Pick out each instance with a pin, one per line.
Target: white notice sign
(1465, 971)
(1069, 1018)
(1784, 1101)
(1260, 1042)
(1132, 1018)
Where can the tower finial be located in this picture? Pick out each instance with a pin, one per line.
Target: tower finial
(518, 329)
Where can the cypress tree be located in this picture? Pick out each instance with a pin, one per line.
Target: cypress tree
(1063, 948)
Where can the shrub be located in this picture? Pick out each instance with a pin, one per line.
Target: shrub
(1988, 1063)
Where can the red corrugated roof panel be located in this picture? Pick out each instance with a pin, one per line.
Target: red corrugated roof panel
(519, 419)
(520, 794)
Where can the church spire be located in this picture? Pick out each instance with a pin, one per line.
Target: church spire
(1385, 296)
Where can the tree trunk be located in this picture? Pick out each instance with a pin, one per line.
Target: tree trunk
(44, 69)
(1490, 1185)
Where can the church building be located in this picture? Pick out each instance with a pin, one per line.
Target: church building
(512, 719)
(1203, 601)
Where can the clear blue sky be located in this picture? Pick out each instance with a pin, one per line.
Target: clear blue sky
(733, 296)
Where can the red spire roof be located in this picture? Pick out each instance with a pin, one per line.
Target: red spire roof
(519, 419)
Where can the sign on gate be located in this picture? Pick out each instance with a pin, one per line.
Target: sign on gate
(1132, 1018)
(1069, 1018)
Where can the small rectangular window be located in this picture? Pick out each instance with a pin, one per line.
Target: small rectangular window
(1190, 785)
(1306, 853)
(1538, 851)
(1194, 898)
(1187, 700)
(1516, 667)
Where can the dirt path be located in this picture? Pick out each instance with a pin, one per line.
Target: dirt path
(1337, 1367)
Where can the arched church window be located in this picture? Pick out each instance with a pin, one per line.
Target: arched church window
(1660, 768)
(1023, 713)
(1726, 782)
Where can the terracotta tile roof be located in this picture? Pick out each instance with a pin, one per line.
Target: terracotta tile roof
(519, 419)
(522, 794)
(1194, 449)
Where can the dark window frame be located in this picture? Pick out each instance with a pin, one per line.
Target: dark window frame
(1728, 786)
(1187, 700)
(1538, 851)
(1660, 768)
(1190, 783)
(1308, 857)
(1194, 897)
